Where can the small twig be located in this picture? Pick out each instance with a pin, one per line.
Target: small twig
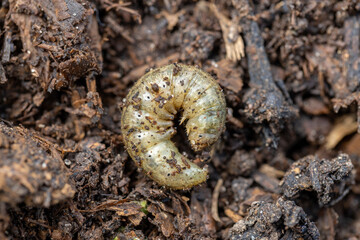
(234, 44)
(215, 200)
(118, 29)
(265, 103)
(39, 223)
(3, 78)
(171, 18)
(121, 6)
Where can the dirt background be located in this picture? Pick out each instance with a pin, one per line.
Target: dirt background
(287, 166)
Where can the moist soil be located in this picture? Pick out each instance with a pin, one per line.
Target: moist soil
(286, 167)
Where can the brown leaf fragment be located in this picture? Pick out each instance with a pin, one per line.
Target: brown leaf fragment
(163, 220)
(122, 208)
(137, 218)
(201, 213)
(126, 209)
(182, 211)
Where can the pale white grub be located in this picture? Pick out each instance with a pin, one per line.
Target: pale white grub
(147, 122)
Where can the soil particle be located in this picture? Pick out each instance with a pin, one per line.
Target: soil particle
(32, 171)
(267, 220)
(330, 179)
(290, 74)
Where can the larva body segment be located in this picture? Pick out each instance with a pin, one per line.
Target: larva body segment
(147, 122)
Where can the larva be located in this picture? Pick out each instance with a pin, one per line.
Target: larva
(147, 122)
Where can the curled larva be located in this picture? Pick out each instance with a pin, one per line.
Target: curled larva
(147, 122)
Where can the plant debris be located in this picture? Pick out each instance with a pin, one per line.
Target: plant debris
(330, 179)
(286, 167)
(265, 103)
(29, 173)
(279, 220)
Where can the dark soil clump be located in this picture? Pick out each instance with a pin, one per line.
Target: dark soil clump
(286, 167)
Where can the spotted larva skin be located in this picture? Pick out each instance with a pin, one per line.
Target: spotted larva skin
(147, 122)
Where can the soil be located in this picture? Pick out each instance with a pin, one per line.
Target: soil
(286, 167)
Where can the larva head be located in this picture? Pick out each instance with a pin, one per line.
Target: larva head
(205, 128)
(200, 141)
